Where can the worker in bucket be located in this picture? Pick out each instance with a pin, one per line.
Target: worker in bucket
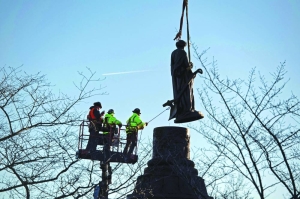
(109, 128)
(95, 125)
(134, 123)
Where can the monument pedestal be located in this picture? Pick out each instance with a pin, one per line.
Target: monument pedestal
(170, 173)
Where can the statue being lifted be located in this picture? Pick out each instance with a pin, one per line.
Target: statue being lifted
(183, 105)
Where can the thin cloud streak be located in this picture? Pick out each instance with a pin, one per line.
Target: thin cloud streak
(120, 73)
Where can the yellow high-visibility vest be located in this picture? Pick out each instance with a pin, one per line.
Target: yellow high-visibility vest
(134, 123)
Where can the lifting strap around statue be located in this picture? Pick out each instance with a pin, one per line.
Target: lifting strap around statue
(178, 35)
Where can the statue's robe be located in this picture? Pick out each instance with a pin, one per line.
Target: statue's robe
(181, 76)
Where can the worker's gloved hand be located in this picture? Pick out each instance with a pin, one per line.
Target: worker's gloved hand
(146, 123)
(102, 113)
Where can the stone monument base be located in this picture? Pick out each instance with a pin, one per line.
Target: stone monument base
(170, 173)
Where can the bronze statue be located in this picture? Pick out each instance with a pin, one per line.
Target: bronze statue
(183, 105)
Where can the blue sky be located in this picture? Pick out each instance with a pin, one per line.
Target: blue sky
(60, 38)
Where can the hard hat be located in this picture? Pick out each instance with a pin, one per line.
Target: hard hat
(137, 110)
(98, 104)
(110, 111)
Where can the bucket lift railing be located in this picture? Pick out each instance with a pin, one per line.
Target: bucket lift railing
(117, 141)
(82, 136)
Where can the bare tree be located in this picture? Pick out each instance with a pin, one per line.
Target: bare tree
(39, 137)
(125, 176)
(253, 128)
(222, 181)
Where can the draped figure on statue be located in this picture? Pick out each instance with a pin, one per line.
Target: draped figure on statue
(182, 81)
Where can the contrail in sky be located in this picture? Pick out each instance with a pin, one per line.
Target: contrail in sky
(119, 73)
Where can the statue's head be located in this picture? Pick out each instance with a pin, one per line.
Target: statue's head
(180, 44)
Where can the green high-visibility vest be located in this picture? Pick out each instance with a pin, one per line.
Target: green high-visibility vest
(110, 120)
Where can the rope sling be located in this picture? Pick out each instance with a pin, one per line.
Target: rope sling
(178, 35)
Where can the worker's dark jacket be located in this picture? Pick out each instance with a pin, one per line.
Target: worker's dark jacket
(95, 119)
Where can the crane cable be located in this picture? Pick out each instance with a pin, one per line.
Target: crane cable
(178, 35)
